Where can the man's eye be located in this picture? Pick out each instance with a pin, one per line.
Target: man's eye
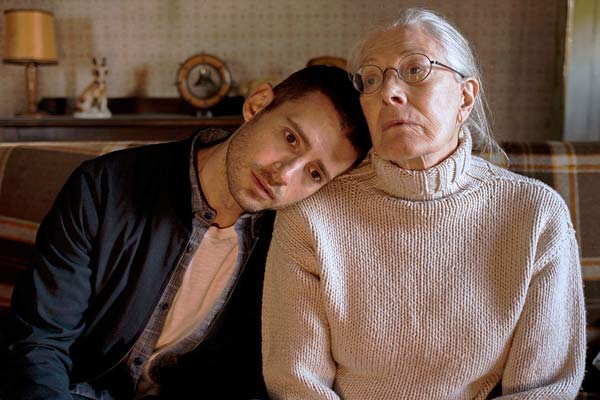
(290, 138)
(315, 175)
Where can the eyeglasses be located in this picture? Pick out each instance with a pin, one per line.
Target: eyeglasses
(413, 68)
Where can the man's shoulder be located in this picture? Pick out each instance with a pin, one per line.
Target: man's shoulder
(137, 177)
(147, 162)
(155, 153)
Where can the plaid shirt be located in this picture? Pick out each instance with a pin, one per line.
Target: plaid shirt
(140, 356)
(204, 216)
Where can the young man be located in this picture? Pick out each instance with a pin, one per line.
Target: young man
(148, 270)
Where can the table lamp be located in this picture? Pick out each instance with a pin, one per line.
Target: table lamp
(30, 40)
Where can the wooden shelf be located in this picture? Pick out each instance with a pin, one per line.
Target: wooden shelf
(120, 127)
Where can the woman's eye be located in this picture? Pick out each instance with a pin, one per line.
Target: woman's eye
(291, 139)
(315, 175)
(370, 80)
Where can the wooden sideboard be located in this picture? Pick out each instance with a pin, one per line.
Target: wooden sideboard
(118, 127)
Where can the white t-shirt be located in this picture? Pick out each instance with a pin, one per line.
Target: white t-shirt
(209, 273)
(206, 278)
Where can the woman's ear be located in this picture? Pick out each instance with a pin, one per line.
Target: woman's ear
(470, 89)
(260, 97)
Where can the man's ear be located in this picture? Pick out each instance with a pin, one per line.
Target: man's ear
(470, 89)
(260, 97)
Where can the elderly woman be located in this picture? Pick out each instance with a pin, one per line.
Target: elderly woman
(427, 272)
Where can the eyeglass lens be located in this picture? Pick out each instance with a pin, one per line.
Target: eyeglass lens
(412, 69)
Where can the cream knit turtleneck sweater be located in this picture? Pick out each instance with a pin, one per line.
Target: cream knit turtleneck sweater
(435, 284)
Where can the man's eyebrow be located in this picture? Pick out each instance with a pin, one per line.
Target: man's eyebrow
(308, 145)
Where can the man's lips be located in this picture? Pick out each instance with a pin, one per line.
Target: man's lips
(263, 187)
(397, 122)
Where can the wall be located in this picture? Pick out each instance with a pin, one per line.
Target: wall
(582, 109)
(520, 44)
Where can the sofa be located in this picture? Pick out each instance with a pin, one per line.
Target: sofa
(32, 173)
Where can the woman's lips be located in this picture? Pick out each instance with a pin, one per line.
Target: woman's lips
(397, 122)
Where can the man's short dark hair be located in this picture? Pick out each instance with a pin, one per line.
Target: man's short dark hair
(334, 83)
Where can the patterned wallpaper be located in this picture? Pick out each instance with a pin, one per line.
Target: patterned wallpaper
(519, 44)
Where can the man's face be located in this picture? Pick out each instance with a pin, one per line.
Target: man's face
(288, 153)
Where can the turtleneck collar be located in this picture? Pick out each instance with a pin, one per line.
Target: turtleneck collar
(433, 183)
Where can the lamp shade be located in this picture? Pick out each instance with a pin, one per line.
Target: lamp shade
(30, 37)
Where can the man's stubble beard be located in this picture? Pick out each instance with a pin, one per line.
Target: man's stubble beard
(235, 165)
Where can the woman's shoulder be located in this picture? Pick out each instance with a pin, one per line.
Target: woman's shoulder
(492, 172)
(516, 184)
(362, 174)
(337, 194)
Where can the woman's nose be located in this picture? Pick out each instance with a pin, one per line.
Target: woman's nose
(392, 89)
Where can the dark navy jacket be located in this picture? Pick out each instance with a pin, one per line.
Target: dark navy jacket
(104, 253)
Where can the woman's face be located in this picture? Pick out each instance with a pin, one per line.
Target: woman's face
(414, 125)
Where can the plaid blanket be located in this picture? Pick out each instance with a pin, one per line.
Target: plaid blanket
(573, 170)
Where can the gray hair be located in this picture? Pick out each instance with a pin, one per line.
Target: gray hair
(458, 54)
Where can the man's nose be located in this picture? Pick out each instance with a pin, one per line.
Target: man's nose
(283, 171)
(392, 89)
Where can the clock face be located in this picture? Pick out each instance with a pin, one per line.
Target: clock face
(203, 80)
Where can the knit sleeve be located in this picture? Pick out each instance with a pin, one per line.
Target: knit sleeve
(297, 363)
(547, 356)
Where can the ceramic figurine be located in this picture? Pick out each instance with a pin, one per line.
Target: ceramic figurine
(93, 102)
